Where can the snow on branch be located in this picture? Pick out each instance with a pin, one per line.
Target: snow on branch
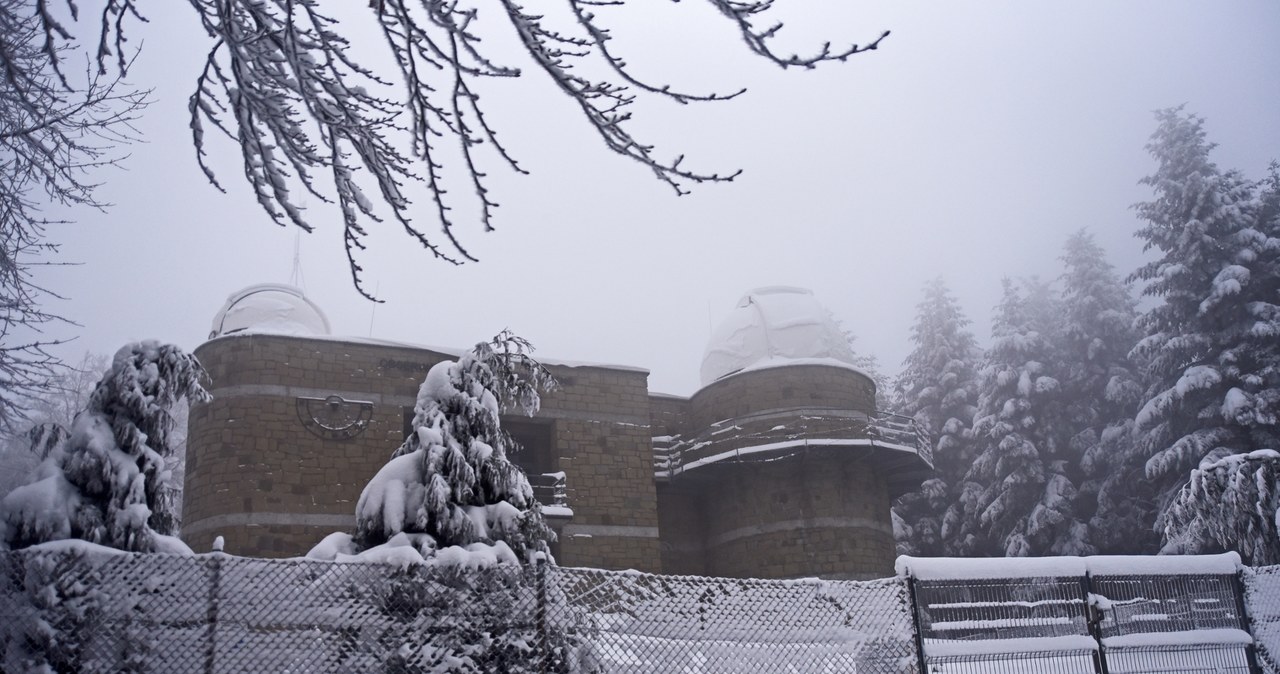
(281, 83)
(758, 39)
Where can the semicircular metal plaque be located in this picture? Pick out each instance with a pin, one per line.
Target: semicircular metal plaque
(333, 417)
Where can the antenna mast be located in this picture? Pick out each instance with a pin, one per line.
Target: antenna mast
(295, 277)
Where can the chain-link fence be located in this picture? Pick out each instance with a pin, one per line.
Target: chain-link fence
(67, 610)
(650, 624)
(75, 612)
(1262, 597)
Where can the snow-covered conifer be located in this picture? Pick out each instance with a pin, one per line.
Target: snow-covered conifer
(451, 483)
(1018, 497)
(106, 483)
(1100, 394)
(1211, 346)
(1231, 503)
(456, 516)
(938, 388)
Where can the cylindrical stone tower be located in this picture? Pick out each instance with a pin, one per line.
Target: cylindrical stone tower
(783, 467)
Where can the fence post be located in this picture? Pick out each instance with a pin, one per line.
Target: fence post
(540, 614)
(1094, 620)
(915, 623)
(215, 578)
(1246, 621)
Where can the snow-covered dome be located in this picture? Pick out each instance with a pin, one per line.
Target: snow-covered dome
(272, 308)
(770, 325)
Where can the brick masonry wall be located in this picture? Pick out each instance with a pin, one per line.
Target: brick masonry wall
(813, 386)
(258, 477)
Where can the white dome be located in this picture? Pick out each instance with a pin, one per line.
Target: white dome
(270, 308)
(770, 325)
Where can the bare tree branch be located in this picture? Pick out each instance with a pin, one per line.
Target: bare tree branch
(280, 80)
(55, 131)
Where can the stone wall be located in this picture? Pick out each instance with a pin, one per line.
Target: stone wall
(818, 513)
(667, 414)
(603, 440)
(257, 476)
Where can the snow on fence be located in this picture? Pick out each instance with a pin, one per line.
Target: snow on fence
(72, 607)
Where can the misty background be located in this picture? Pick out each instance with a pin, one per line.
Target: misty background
(969, 146)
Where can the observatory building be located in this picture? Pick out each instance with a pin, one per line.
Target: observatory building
(779, 466)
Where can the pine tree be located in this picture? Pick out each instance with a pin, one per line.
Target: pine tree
(938, 388)
(451, 483)
(106, 484)
(1018, 497)
(1210, 347)
(1100, 394)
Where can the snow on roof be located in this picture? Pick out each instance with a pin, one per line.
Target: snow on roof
(272, 308)
(773, 323)
(449, 351)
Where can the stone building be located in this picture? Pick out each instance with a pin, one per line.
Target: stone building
(779, 466)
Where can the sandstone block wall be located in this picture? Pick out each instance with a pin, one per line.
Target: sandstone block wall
(255, 475)
(667, 414)
(819, 513)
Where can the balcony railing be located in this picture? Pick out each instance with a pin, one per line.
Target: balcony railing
(551, 491)
(781, 430)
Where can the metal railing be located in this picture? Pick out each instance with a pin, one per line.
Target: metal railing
(788, 430)
(1100, 624)
(551, 490)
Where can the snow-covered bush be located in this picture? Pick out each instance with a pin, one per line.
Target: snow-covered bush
(106, 483)
(1231, 504)
(451, 483)
(448, 618)
(65, 597)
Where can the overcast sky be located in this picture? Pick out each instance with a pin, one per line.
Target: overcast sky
(969, 146)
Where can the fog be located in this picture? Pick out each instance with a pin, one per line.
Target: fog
(968, 146)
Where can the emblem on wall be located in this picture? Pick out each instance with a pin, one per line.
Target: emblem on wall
(334, 418)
